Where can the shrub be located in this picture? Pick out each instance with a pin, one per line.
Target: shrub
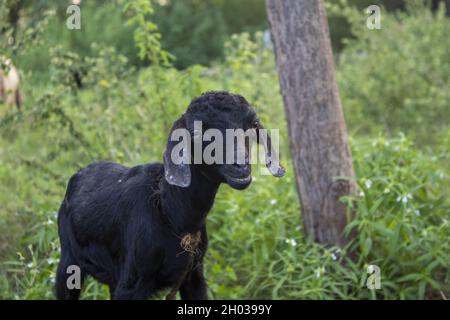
(392, 81)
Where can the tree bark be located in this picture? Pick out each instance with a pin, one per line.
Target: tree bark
(317, 131)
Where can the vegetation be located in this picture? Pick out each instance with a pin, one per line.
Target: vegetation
(394, 85)
(194, 31)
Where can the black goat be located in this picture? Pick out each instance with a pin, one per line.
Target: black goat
(142, 229)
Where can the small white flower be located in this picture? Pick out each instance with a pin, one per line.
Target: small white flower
(50, 260)
(335, 254)
(361, 193)
(319, 272)
(297, 228)
(49, 221)
(386, 190)
(292, 242)
(30, 265)
(368, 184)
(417, 212)
(273, 202)
(406, 198)
(52, 280)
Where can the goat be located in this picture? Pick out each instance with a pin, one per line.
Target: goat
(9, 86)
(143, 229)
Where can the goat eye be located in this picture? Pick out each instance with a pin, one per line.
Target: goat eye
(256, 124)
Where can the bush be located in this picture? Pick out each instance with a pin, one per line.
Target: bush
(392, 81)
(96, 15)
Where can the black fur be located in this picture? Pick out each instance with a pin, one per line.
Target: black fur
(123, 226)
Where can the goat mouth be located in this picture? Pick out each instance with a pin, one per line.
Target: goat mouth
(239, 183)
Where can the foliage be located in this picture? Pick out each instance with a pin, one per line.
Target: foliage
(392, 78)
(195, 31)
(403, 217)
(102, 23)
(257, 244)
(146, 34)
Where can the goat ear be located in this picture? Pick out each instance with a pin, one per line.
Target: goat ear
(177, 155)
(272, 159)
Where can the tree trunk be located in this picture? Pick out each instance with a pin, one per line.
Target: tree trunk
(317, 132)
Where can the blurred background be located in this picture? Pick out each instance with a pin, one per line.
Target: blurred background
(111, 90)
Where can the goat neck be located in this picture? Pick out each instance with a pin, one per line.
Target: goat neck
(186, 208)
